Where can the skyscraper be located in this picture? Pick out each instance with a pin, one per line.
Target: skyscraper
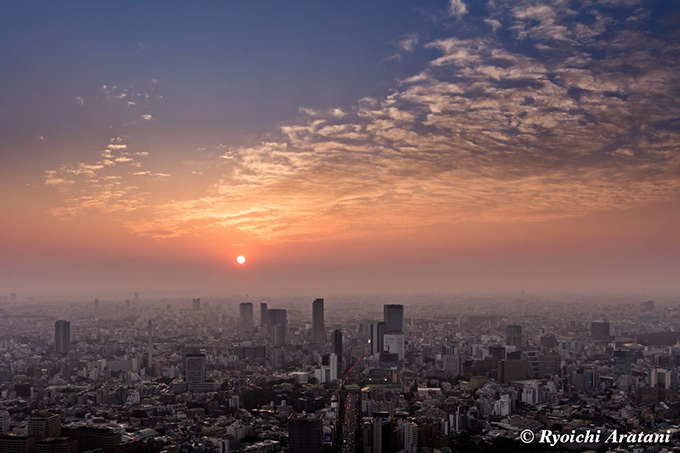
(599, 330)
(245, 316)
(394, 318)
(377, 335)
(149, 331)
(277, 321)
(336, 348)
(513, 336)
(62, 336)
(318, 331)
(196, 304)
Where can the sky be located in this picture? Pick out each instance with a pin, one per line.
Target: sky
(341, 147)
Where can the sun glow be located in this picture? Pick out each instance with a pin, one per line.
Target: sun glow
(241, 259)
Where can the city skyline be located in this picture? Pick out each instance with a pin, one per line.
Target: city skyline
(394, 147)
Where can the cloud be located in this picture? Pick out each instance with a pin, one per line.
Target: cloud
(457, 8)
(409, 42)
(146, 117)
(574, 112)
(80, 101)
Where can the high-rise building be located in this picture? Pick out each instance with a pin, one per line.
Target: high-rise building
(149, 332)
(96, 304)
(195, 368)
(264, 318)
(277, 323)
(62, 336)
(599, 330)
(196, 304)
(318, 329)
(246, 316)
(377, 335)
(44, 425)
(623, 362)
(95, 438)
(305, 433)
(394, 318)
(453, 365)
(336, 348)
(513, 336)
(4, 422)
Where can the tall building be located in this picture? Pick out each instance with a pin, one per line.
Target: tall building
(196, 304)
(96, 304)
(246, 316)
(149, 332)
(318, 330)
(4, 422)
(62, 336)
(336, 348)
(276, 326)
(195, 368)
(599, 330)
(264, 318)
(623, 362)
(377, 335)
(44, 425)
(394, 318)
(305, 433)
(513, 336)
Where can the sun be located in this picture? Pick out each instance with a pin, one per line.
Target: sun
(241, 259)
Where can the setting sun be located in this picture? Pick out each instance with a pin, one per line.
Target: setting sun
(241, 259)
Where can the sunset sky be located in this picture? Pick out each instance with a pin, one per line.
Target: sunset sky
(342, 147)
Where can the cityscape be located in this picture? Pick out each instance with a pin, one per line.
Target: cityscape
(303, 226)
(434, 374)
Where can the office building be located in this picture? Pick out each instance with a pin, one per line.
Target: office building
(394, 318)
(246, 317)
(57, 445)
(93, 438)
(62, 336)
(318, 330)
(196, 304)
(305, 433)
(623, 362)
(44, 425)
(513, 336)
(195, 368)
(510, 370)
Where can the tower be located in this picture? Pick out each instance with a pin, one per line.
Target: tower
(513, 336)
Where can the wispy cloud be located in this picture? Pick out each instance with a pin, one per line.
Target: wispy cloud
(576, 113)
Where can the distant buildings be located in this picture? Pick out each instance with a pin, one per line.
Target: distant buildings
(44, 425)
(377, 335)
(264, 319)
(62, 336)
(277, 322)
(196, 304)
